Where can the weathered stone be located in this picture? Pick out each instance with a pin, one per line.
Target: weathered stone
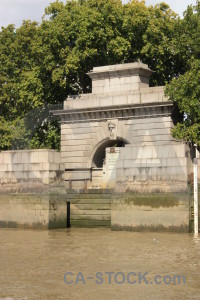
(119, 137)
(34, 181)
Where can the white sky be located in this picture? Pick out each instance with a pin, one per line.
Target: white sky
(14, 11)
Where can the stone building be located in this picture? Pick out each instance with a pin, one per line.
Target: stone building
(119, 138)
(121, 166)
(119, 135)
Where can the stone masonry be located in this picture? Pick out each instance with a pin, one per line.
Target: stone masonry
(119, 138)
(122, 168)
(122, 108)
(32, 193)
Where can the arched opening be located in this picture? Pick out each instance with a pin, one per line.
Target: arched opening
(100, 153)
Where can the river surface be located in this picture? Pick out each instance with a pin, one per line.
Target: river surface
(97, 264)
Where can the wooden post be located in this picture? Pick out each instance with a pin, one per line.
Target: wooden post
(196, 213)
(68, 214)
(70, 185)
(85, 186)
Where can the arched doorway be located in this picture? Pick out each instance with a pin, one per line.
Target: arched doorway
(100, 159)
(99, 155)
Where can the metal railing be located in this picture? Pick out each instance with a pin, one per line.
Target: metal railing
(81, 179)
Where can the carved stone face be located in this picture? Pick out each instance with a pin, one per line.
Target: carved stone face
(112, 127)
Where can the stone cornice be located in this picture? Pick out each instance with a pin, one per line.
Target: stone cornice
(107, 113)
(120, 73)
(127, 69)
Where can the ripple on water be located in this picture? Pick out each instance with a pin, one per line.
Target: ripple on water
(33, 263)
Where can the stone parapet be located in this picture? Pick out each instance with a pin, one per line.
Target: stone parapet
(32, 193)
(29, 169)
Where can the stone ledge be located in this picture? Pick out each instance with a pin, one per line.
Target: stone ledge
(152, 228)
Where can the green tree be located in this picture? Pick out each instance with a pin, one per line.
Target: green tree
(184, 90)
(40, 65)
(15, 60)
(158, 50)
(78, 36)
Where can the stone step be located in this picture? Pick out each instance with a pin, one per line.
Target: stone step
(91, 212)
(91, 217)
(90, 206)
(90, 201)
(88, 196)
(90, 223)
(90, 209)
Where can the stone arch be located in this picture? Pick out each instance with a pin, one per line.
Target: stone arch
(98, 153)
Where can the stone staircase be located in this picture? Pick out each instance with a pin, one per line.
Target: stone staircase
(90, 209)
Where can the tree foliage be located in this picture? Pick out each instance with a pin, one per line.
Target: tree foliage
(184, 89)
(41, 64)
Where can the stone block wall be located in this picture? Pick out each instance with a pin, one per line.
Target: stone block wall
(80, 140)
(33, 210)
(153, 168)
(124, 77)
(150, 212)
(22, 166)
(114, 98)
(32, 193)
(151, 158)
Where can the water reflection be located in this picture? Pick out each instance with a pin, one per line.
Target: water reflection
(33, 264)
(196, 238)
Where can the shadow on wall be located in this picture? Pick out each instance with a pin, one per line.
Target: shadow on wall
(153, 160)
(100, 153)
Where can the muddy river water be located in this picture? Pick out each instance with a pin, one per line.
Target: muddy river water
(97, 263)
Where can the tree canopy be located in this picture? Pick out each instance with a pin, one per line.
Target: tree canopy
(184, 89)
(41, 64)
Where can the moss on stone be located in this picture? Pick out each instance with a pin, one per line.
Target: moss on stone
(153, 200)
(156, 228)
